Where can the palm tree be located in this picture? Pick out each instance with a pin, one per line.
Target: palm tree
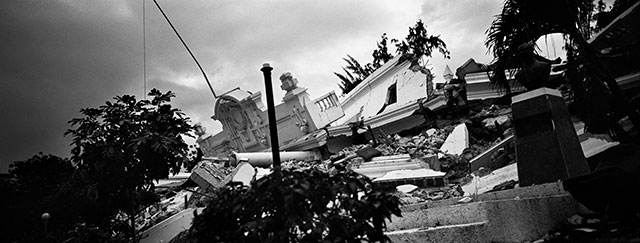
(349, 82)
(523, 21)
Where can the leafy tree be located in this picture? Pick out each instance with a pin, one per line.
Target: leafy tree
(420, 44)
(356, 73)
(30, 192)
(417, 45)
(359, 72)
(121, 147)
(381, 55)
(305, 205)
(522, 22)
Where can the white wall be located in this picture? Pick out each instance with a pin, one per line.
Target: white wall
(372, 95)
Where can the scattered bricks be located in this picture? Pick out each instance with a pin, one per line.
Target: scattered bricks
(368, 152)
(495, 123)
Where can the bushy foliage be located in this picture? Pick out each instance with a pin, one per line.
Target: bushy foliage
(30, 192)
(307, 205)
(599, 100)
(121, 147)
(418, 44)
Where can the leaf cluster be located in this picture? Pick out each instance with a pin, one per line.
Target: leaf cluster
(418, 44)
(306, 205)
(31, 191)
(523, 22)
(120, 148)
(139, 141)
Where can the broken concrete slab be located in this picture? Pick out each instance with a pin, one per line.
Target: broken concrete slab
(410, 174)
(448, 233)
(492, 123)
(265, 159)
(486, 183)
(261, 172)
(433, 162)
(382, 169)
(529, 212)
(208, 175)
(367, 153)
(457, 141)
(398, 157)
(170, 227)
(406, 188)
(419, 177)
(594, 144)
(487, 158)
(244, 173)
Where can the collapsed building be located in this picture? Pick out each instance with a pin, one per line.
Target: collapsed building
(450, 150)
(397, 97)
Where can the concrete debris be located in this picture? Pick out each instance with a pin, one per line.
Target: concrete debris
(209, 175)
(465, 200)
(575, 220)
(496, 123)
(244, 173)
(510, 184)
(430, 132)
(587, 230)
(379, 168)
(496, 156)
(261, 172)
(406, 188)
(488, 182)
(457, 141)
(367, 153)
(481, 172)
(408, 200)
(409, 174)
(264, 159)
(425, 194)
(593, 144)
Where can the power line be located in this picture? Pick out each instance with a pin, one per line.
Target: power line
(185, 46)
(144, 49)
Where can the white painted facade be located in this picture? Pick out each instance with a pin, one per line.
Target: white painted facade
(370, 96)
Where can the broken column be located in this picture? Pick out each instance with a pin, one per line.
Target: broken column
(547, 147)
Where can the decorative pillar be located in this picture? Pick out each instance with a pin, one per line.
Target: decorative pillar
(547, 147)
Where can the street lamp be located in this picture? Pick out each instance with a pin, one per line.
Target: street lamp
(45, 218)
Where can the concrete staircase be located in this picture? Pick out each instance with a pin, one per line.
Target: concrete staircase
(516, 215)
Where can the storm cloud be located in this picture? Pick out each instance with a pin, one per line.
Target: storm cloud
(59, 56)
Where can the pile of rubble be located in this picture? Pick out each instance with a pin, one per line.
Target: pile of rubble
(432, 164)
(443, 153)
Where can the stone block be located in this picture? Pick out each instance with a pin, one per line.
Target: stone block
(547, 147)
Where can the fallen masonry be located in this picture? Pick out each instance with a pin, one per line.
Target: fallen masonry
(457, 183)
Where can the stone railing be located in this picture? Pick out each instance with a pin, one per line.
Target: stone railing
(325, 109)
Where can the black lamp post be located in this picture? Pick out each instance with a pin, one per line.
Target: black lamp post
(45, 219)
(271, 112)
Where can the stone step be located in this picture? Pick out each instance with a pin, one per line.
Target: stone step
(470, 232)
(524, 214)
(399, 157)
(383, 163)
(375, 172)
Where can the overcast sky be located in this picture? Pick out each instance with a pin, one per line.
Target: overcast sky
(58, 56)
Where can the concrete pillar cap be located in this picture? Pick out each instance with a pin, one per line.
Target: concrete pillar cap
(535, 93)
